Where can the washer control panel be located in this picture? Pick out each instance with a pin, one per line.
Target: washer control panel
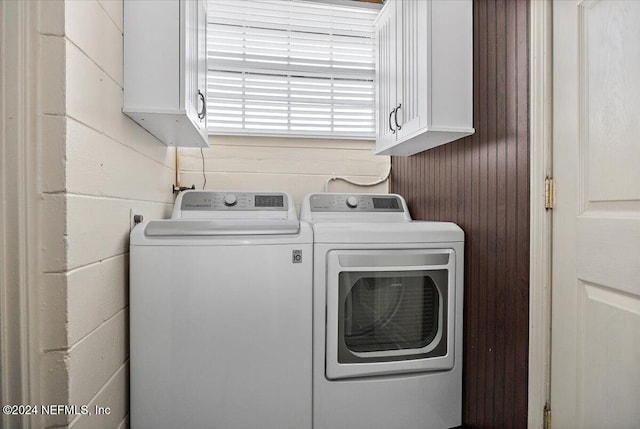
(235, 201)
(357, 203)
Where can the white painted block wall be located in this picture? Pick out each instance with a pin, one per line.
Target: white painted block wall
(294, 165)
(100, 167)
(97, 168)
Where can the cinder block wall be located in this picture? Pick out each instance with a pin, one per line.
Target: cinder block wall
(100, 167)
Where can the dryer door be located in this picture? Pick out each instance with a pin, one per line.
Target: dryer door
(389, 311)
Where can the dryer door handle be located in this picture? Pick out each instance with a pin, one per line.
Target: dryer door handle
(397, 260)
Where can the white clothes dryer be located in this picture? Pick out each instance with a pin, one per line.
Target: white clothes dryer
(220, 314)
(387, 315)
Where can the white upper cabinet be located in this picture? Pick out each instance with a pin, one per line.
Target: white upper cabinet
(424, 74)
(165, 67)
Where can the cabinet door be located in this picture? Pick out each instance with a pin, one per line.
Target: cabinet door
(386, 75)
(202, 64)
(412, 62)
(190, 56)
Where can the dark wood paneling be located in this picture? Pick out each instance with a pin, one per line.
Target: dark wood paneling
(482, 183)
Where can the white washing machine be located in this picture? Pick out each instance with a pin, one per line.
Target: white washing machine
(387, 315)
(220, 314)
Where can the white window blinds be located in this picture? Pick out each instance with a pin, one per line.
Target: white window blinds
(290, 68)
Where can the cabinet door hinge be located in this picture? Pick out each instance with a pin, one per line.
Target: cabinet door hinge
(547, 416)
(549, 193)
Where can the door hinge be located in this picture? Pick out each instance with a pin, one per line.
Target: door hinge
(547, 416)
(549, 193)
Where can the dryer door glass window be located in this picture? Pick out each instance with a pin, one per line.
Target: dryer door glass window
(393, 315)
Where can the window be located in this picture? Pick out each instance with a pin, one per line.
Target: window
(291, 68)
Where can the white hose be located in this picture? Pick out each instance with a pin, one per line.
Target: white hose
(377, 182)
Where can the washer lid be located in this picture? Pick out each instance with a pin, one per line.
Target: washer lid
(181, 227)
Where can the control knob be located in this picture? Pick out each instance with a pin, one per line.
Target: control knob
(352, 202)
(230, 200)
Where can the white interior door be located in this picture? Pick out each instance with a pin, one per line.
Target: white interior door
(595, 375)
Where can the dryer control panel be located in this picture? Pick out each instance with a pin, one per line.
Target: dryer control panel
(355, 203)
(354, 208)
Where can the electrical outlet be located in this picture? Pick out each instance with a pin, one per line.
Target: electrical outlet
(134, 219)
